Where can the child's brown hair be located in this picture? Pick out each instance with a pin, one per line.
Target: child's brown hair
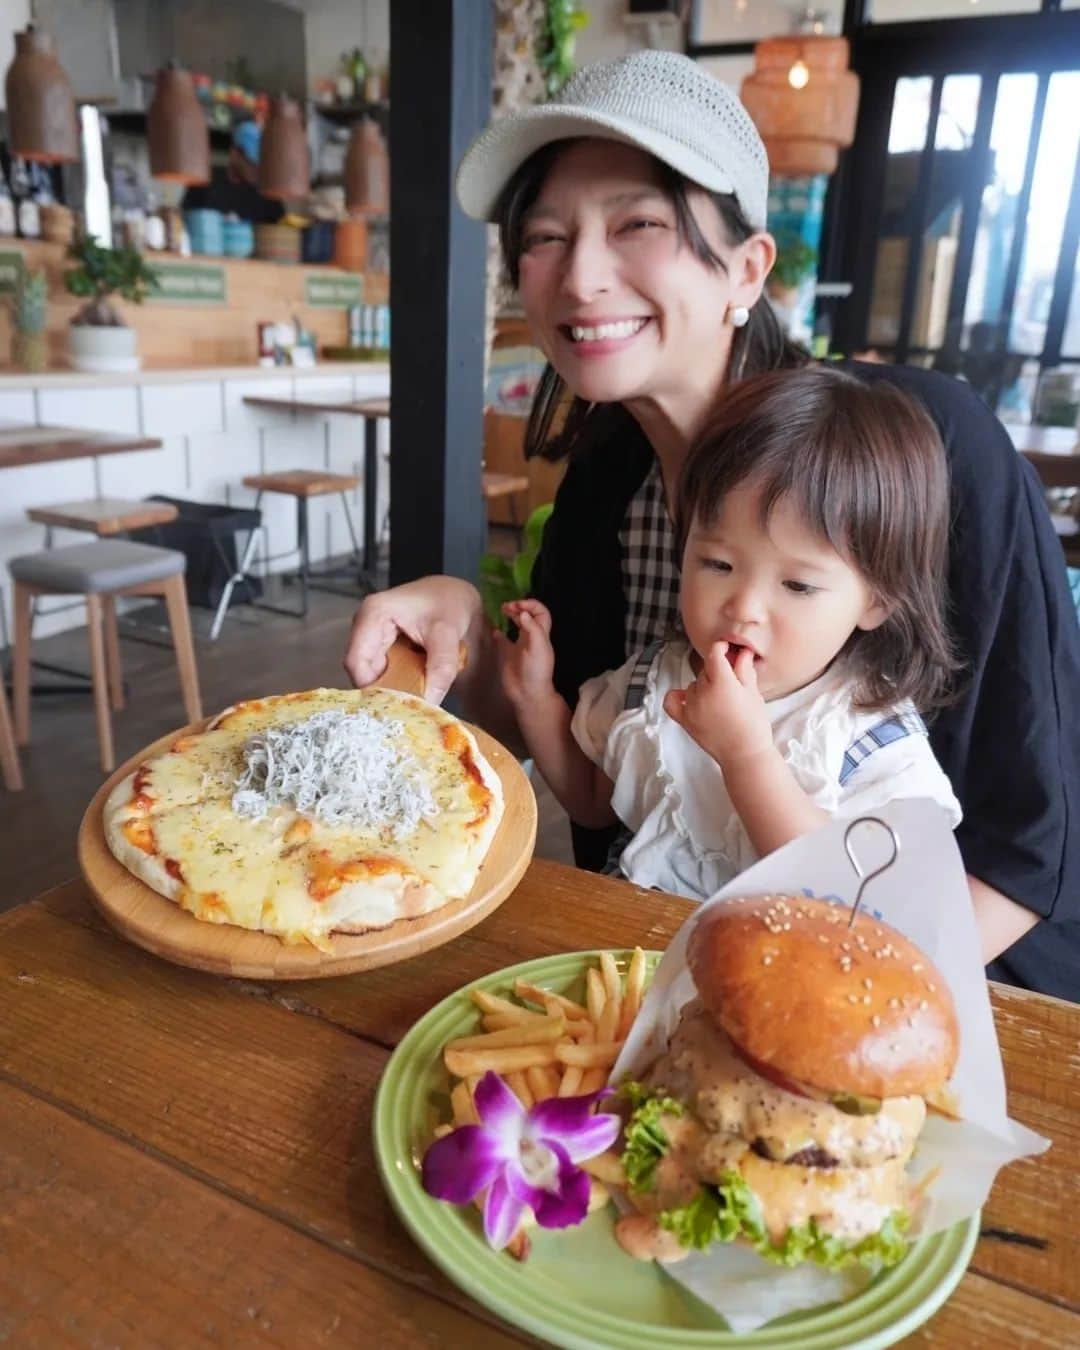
(863, 465)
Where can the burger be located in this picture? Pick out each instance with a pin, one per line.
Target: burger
(791, 1094)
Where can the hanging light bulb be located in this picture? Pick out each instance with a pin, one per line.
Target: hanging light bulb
(799, 75)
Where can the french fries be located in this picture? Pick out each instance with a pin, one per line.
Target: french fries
(548, 1045)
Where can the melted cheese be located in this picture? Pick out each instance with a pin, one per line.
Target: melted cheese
(702, 1068)
(297, 875)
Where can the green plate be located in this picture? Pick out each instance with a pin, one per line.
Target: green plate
(578, 1288)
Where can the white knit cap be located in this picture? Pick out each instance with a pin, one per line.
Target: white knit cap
(660, 101)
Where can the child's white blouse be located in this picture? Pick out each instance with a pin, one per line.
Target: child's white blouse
(670, 794)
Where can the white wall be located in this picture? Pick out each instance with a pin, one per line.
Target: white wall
(607, 34)
(334, 26)
(14, 15)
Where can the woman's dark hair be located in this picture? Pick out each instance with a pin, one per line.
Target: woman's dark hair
(760, 345)
(864, 467)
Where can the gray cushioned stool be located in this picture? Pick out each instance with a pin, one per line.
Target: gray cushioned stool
(102, 570)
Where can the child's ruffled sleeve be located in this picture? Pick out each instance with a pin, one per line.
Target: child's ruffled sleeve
(600, 702)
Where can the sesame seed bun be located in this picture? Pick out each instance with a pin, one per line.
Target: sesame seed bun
(842, 1010)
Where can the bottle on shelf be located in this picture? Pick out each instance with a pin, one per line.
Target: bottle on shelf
(8, 225)
(24, 193)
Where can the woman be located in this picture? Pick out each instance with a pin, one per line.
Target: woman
(632, 218)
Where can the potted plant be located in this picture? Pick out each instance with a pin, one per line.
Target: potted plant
(503, 579)
(98, 339)
(795, 260)
(27, 303)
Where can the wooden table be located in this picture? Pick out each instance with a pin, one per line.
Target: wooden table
(187, 1160)
(372, 410)
(22, 444)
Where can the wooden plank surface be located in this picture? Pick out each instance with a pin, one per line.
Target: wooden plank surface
(85, 1211)
(369, 407)
(104, 515)
(42, 445)
(250, 1103)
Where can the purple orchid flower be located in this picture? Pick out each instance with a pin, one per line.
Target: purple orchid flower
(523, 1158)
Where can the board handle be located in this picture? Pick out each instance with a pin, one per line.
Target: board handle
(406, 666)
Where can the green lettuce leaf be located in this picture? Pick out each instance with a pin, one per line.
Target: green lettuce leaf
(731, 1210)
(646, 1142)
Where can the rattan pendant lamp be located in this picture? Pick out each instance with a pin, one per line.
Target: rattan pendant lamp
(176, 129)
(42, 124)
(284, 166)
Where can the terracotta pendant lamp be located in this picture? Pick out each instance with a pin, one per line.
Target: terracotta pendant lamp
(284, 171)
(803, 99)
(367, 171)
(176, 130)
(42, 124)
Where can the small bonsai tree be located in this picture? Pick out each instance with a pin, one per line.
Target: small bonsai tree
(102, 272)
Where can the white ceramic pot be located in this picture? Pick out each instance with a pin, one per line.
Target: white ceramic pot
(100, 349)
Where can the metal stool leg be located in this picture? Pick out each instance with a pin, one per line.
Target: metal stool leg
(233, 582)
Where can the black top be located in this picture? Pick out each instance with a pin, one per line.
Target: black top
(1010, 744)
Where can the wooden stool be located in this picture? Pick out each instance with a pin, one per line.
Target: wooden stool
(101, 571)
(103, 516)
(303, 484)
(494, 485)
(9, 756)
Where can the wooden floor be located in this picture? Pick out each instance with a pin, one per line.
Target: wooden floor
(257, 653)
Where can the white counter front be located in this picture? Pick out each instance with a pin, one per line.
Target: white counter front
(211, 440)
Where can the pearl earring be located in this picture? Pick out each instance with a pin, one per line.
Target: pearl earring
(740, 316)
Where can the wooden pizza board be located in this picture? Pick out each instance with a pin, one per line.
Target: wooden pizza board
(162, 927)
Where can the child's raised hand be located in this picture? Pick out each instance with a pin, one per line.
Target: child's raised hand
(723, 709)
(527, 665)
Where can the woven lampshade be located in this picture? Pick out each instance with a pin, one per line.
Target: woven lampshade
(176, 130)
(42, 124)
(367, 171)
(803, 127)
(284, 171)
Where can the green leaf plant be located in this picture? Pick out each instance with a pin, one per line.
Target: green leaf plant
(503, 579)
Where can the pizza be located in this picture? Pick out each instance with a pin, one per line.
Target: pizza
(302, 815)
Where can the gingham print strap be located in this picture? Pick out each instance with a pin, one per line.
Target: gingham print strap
(639, 676)
(884, 733)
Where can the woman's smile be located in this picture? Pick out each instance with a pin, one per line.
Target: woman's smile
(599, 337)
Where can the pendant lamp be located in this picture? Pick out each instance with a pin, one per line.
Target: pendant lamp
(367, 171)
(176, 130)
(40, 103)
(803, 100)
(284, 171)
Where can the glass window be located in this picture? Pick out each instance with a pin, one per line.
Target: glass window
(909, 11)
(1070, 343)
(1046, 212)
(907, 136)
(1009, 135)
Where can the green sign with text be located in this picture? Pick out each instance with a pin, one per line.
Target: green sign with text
(333, 292)
(190, 284)
(11, 264)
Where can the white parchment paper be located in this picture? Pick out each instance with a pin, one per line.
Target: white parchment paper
(925, 895)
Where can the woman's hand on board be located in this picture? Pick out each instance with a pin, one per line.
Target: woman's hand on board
(437, 613)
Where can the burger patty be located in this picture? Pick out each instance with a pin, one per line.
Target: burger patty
(805, 1157)
(702, 1069)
